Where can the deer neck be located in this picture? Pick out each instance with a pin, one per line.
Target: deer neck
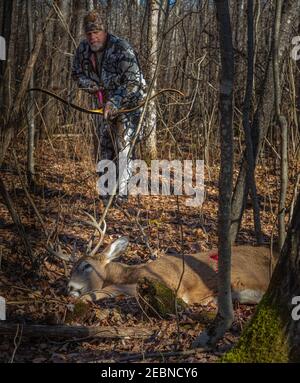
(118, 273)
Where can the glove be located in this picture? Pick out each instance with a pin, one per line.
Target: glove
(94, 89)
(109, 111)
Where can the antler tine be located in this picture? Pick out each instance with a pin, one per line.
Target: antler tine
(96, 225)
(59, 254)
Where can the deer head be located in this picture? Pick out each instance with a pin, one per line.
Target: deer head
(89, 272)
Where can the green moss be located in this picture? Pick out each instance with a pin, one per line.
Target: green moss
(263, 340)
(158, 298)
(79, 313)
(206, 317)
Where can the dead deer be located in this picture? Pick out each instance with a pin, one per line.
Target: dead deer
(95, 276)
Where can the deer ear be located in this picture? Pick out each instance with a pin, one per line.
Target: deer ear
(113, 250)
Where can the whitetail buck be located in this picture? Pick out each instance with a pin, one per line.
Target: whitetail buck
(96, 276)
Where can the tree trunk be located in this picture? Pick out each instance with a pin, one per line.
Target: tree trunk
(78, 12)
(246, 122)
(282, 124)
(90, 5)
(225, 310)
(264, 113)
(150, 149)
(273, 335)
(30, 113)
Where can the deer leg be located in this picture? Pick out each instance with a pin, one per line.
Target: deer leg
(248, 296)
(109, 292)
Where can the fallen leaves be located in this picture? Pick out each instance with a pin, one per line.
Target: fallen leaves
(38, 296)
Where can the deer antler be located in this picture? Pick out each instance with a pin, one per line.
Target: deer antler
(60, 253)
(101, 231)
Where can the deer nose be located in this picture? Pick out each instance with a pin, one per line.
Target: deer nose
(74, 289)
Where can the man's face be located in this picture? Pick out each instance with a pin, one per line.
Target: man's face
(96, 40)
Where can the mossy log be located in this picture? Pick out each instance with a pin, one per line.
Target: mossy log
(80, 312)
(157, 299)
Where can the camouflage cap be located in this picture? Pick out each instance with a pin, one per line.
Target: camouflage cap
(94, 21)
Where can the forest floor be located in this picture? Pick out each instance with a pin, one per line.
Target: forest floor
(36, 292)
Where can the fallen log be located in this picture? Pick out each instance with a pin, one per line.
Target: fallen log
(157, 299)
(78, 332)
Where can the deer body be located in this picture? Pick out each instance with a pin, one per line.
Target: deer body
(98, 277)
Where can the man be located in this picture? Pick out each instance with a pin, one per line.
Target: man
(107, 67)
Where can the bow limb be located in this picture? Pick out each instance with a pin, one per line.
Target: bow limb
(100, 111)
(74, 106)
(169, 90)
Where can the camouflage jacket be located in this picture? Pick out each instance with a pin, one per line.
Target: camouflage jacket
(118, 74)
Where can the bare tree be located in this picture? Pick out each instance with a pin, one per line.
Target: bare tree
(246, 120)
(282, 123)
(30, 113)
(225, 314)
(150, 150)
(264, 111)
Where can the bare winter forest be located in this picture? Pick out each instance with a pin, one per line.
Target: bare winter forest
(211, 282)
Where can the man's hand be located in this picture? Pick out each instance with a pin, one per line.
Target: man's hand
(109, 111)
(94, 89)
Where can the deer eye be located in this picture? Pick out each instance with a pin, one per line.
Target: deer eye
(87, 268)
